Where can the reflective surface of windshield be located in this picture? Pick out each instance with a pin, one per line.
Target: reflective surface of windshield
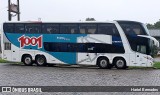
(133, 28)
(132, 31)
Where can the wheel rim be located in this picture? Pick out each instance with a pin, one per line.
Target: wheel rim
(120, 63)
(28, 60)
(40, 61)
(103, 63)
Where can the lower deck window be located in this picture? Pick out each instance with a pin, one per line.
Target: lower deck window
(83, 47)
(141, 49)
(7, 46)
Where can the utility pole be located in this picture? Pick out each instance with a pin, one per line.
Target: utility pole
(9, 10)
(18, 17)
(13, 8)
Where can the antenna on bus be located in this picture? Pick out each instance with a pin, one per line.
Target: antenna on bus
(13, 8)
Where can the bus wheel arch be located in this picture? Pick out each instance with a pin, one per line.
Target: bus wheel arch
(27, 59)
(40, 60)
(103, 62)
(120, 62)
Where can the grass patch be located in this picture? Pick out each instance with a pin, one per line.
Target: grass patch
(4, 61)
(136, 67)
(157, 65)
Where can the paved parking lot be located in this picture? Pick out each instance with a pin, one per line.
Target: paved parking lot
(20, 75)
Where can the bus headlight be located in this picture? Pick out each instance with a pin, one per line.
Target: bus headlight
(148, 58)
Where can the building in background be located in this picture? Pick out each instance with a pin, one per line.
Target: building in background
(155, 33)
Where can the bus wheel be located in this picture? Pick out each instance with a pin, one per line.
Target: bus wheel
(27, 60)
(103, 63)
(40, 60)
(120, 63)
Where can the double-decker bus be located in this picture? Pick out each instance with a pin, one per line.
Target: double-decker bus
(105, 44)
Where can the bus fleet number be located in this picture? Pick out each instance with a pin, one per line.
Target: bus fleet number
(33, 41)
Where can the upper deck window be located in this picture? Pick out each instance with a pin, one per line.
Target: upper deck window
(69, 28)
(50, 28)
(108, 29)
(88, 28)
(8, 27)
(19, 28)
(33, 28)
(133, 28)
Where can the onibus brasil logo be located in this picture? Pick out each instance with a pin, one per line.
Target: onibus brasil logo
(30, 41)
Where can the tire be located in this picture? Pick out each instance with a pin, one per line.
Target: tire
(120, 63)
(40, 60)
(27, 60)
(103, 63)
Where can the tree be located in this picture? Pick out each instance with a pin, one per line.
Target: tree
(150, 26)
(154, 26)
(157, 24)
(90, 19)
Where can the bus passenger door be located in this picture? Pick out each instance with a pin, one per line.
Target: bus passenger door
(141, 57)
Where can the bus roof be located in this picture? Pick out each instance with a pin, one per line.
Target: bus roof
(75, 21)
(61, 22)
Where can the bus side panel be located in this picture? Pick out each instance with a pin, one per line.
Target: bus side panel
(87, 58)
(15, 53)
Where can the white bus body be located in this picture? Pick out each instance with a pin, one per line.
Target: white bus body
(105, 44)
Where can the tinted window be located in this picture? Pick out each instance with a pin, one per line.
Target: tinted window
(65, 47)
(83, 47)
(33, 28)
(88, 28)
(104, 48)
(8, 27)
(7, 46)
(72, 47)
(132, 28)
(69, 28)
(108, 29)
(50, 28)
(142, 49)
(48, 46)
(19, 28)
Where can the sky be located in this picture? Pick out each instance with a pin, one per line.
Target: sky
(145, 11)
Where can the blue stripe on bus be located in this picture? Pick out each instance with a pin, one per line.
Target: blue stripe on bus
(117, 41)
(69, 58)
(66, 57)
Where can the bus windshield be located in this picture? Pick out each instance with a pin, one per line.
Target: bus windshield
(133, 28)
(145, 27)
